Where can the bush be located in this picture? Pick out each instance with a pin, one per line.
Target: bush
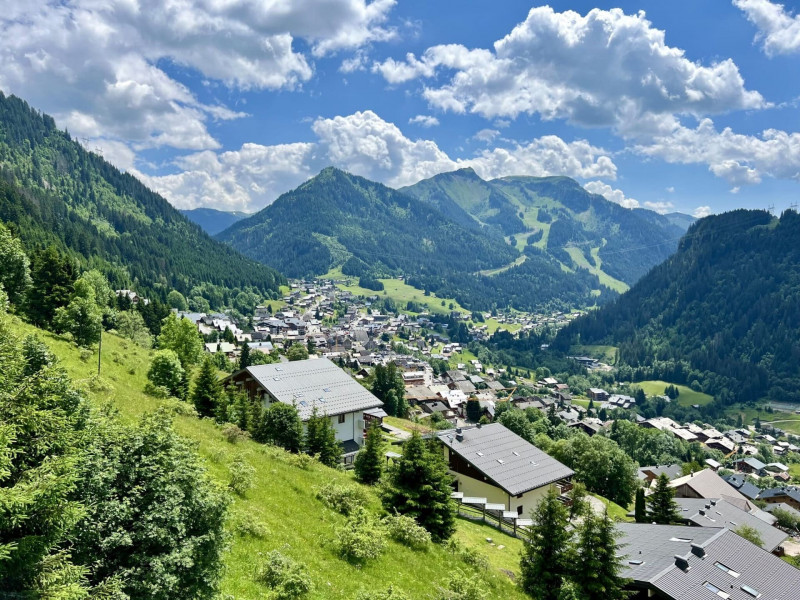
(234, 434)
(286, 578)
(301, 461)
(179, 407)
(474, 558)
(241, 476)
(345, 499)
(461, 587)
(360, 539)
(406, 531)
(156, 391)
(390, 594)
(247, 526)
(86, 354)
(98, 384)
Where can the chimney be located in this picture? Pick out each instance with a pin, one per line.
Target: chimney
(458, 429)
(702, 512)
(698, 550)
(478, 426)
(681, 562)
(459, 436)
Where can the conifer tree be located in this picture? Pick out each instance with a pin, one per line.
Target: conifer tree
(596, 568)
(662, 506)
(419, 487)
(244, 357)
(640, 507)
(546, 555)
(369, 462)
(280, 424)
(207, 389)
(321, 439)
(473, 410)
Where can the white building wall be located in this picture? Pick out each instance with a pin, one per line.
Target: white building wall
(484, 489)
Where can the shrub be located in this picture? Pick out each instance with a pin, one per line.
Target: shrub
(241, 476)
(98, 384)
(247, 526)
(301, 461)
(179, 407)
(360, 539)
(86, 354)
(156, 391)
(389, 594)
(461, 587)
(406, 531)
(287, 578)
(346, 499)
(474, 558)
(233, 434)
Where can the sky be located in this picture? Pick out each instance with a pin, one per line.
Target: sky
(685, 105)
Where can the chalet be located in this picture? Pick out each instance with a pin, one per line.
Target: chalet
(707, 484)
(492, 462)
(597, 394)
(744, 487)
(673, 562)
(787, 495)
(315, 383)
(750, 465)
(716, 512)
(648, 474)
(724, 445)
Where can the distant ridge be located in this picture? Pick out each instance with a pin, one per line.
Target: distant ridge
(213, 221)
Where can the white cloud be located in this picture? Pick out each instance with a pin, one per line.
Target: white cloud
(614, 195)
(366, 145)
(671, 189)
(778, 30)
(486, 135)
(98, 66)
(603, 69)
(424, 121)
(660, 207)
(701, 211)
(737, 158)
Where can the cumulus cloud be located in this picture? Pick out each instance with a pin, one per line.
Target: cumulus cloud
(98, 66)
(737, 158)
(602, 69)
(614, 195)
(486, 135)
(660, 207)
(364, 144)
(701, 211)
(424, 121)
(778, 30)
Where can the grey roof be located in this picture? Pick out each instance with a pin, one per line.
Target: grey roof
(772, 507)
(752, 462)
(314, 382)
(719, 513)
(792, 491)
(746, 489)
(657, 545)
(672, 471)
(514, 464)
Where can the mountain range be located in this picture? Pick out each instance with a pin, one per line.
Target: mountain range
(211, 220)
(53, 191)
(525, 242)
(722, 314)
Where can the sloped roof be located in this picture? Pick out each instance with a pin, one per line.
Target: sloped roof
(747, 489)
(514, 464)
(657, 545)
(314, 382)
(720, 513)
(707, 484)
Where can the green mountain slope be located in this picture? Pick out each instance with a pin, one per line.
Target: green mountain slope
(579, 229)
(339, 220)
(722, 314)
(55, 192)
(282, 511)
(213, 221)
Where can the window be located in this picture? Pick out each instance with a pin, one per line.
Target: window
(341, 419)
(519, 510)
(710, 586)
(750, 591)
(728, 570)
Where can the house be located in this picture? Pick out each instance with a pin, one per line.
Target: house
(597, 394)
(722, 444)
(313, 383)
(648, 474)
(707, 484)
(750, 465)
(717, 512)
(744, 487)
(787, 495)
(674, 562)
(493, 462)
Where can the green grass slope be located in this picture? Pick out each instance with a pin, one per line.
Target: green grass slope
(283, 498)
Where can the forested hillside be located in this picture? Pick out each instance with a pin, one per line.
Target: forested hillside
(721, 315)
(55, 192)
(372, 231)
(557, 215)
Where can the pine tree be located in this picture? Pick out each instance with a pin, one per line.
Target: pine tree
(640, 508)
(662, 506)
(280, 425)
(321, 439)
(207, 389)
(419, 486)
(596, 568)
(244, 358)
(546, 555)
(369, 461)
(473, 410)
(53, 275)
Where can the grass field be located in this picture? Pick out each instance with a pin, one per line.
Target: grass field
(615, 511)
(283, 499)
(577, 256)
(687, 395)
(605, 354)
(787, 421)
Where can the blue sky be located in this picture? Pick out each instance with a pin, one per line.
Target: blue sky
(686, 105)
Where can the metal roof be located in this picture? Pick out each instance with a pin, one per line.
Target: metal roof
(729, 562)
(314, 382)
(719, 513)
(514, 464)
